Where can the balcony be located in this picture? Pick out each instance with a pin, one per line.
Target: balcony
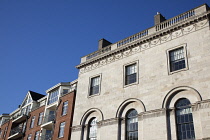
(48, 121)
(46, 137)
(16, 133)
(20, 118)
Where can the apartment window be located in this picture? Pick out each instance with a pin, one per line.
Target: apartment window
(65, 108)
(29, 137)
(32, 122)
(0, 133)
(40, 118)
(177, 59)
(53, 97)
(36, 135)
(184, 120)
(61, 130)
(95, 85)
(5, 132)
(65, 91)
(132, 125)
(92, 129)
(130, 74)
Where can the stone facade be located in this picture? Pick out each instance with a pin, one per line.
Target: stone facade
(156, 90)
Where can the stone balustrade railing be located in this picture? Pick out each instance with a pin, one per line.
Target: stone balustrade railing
(150, 31)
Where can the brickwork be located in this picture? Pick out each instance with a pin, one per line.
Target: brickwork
(36, 127)
(5, 130)
(70, 98)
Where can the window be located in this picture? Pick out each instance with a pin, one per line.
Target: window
(95, 85)
(130, 74)
(61, 130)
(65, 91)
(132, 125)
(40, 118)
(92, 129)
(65, 108)
(36, 135)
(184, 120)
(29, 137)
(5, 132)
(53, 97)
(177, 59)
(32, 122)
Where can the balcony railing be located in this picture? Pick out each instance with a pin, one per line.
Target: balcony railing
(46, 137)
(16, 132)
(49, 118)
(19, 118)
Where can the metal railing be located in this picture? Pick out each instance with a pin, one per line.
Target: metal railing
(46, 137)
(16, 130)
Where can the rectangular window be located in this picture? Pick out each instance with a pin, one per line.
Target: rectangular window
(36, 135)
(130, 74)
(40, 118)
(53, 97)
(32, 122)
(5, 132)
(177, 59)
(65, 108)
(65, 91)
(61, 130)
(95, 85)
(29, 137)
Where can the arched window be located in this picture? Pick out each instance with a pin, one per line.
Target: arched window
(132, 125)
(92, 129)
(184, 120)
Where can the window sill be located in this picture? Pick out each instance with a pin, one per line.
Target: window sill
(90, 96)
(125, 86)
(173, 72)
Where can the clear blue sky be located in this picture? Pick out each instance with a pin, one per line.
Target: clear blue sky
(41, 41)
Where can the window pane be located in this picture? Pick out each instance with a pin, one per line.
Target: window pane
(177, 59)
(93, 129)
(130, 74)
(184, 120)
(132, 125)
(94, 87)
(61, 131)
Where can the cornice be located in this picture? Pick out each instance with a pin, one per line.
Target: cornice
(159, 37)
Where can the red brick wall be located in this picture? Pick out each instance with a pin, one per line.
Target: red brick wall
(36, 126)
(3, 129)
(70, 97)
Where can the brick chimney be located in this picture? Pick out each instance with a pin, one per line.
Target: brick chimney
(159, 18)
(103, 43)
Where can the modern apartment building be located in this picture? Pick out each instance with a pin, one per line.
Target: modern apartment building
(153, 85)
(41, 117)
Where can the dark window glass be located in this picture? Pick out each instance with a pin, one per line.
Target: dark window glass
(132, 125)
(94, 87)
(130, 74)
(177, 59)
(184, 120)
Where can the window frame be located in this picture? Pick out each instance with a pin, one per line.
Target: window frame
(92, 126)
(184, 46)
(90, 85)
(65, 107)
(32, 121)
(40, 119)
(126, 123)
(29, 137)
(36, 136)
(125, 75)
(61, 130)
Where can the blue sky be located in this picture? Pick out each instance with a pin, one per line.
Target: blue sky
(41, 41)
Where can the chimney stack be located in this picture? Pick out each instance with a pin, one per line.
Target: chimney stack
(103, 43)
(159, 18)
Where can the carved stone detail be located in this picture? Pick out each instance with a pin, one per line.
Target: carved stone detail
(152, 43)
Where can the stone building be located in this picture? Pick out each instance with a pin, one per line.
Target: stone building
(153, 85)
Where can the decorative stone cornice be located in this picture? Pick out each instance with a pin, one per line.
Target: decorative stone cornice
(76, 128)
(178, 30)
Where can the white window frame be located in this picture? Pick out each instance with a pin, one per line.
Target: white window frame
(90, 84)
(32, 122)
(29, 136)
(184, 46)
(36, 137)
(52, 98)
(40, 119)
(61, 130)
(65, 108)
(137, 73)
